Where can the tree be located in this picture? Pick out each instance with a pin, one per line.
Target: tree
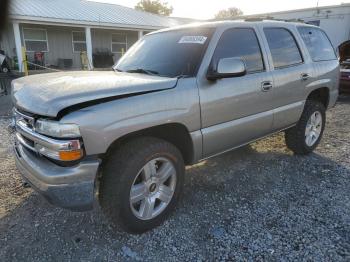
(155, 7)
(228, 14)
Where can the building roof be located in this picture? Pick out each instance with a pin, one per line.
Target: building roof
(85, 12)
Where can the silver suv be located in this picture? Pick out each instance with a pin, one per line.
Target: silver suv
(178, 96)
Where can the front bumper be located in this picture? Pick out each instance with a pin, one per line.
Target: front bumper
(67, 187)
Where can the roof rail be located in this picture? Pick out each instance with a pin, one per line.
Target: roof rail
(264, 18)
(257, 18)
(295, 20)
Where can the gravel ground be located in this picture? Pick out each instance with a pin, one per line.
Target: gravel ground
(5, 105)
(256, 203)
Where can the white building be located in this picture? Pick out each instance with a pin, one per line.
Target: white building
(61, 29)
(335, 20)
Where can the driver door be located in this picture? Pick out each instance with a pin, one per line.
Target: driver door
(236, 110)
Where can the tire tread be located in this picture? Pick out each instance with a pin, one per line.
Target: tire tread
(295, 136)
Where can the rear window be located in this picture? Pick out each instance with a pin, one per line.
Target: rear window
(318, 44)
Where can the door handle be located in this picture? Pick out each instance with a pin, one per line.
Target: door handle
(305, 76)
(266, 86)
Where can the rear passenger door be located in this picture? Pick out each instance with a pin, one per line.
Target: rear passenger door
(291, 74)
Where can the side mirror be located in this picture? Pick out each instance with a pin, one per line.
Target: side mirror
(226, 68)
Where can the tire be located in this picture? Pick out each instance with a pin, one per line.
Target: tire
(126, 169)
(297, 138)
(5, 67)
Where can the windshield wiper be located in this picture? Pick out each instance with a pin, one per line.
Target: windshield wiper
(182, 76)
(143, 71)
(116, 69)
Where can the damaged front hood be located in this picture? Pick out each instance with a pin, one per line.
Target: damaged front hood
(48, 94)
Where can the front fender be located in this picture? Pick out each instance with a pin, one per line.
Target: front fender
(102, 124)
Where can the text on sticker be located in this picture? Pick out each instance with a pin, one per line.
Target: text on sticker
(193, 40)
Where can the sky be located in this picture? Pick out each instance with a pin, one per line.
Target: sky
(206, 9)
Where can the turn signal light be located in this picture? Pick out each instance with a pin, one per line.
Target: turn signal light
(70, 155)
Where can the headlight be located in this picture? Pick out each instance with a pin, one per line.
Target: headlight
(56, 129)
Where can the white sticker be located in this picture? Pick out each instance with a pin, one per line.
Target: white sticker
(193, 39)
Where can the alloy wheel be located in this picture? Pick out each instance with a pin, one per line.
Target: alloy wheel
(313, 128)
(153, 188)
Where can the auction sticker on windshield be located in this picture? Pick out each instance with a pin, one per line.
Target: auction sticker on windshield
(193, 40)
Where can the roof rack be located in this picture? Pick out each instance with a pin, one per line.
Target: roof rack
(264, 18)
(258, 18)
(295, 20)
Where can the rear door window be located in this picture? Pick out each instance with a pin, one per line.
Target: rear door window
(284, 49)
(318, 44)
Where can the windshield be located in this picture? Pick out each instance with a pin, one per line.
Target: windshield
(170, 54)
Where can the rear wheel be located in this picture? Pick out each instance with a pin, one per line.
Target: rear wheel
(141, 184)
(5, 67)
(306, 135)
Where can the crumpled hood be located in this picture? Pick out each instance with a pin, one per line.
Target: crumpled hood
(48, 94)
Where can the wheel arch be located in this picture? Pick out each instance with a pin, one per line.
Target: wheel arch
(321, 94)
(174, 133)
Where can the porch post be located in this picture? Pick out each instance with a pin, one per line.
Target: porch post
(18, 44)
(89, 46)
(140, 34)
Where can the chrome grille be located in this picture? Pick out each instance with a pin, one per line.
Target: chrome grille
(23, 120)
(27, 120)
(28, 137)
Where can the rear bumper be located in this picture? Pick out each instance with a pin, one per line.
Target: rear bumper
(67, 187)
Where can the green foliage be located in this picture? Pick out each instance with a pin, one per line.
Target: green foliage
(228, 14)
(155, 7)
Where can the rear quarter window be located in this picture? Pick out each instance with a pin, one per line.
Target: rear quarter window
(317, 43)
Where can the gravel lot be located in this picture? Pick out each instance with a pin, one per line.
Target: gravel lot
(256, 203)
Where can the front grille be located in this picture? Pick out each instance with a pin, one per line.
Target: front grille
(27, 121)
(28, 142)
(40, 144)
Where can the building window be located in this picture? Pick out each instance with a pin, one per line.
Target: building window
(35, 40)
(119, 43)
(79, 41)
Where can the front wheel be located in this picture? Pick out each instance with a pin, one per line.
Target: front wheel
(141, 184)
(303, 138)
